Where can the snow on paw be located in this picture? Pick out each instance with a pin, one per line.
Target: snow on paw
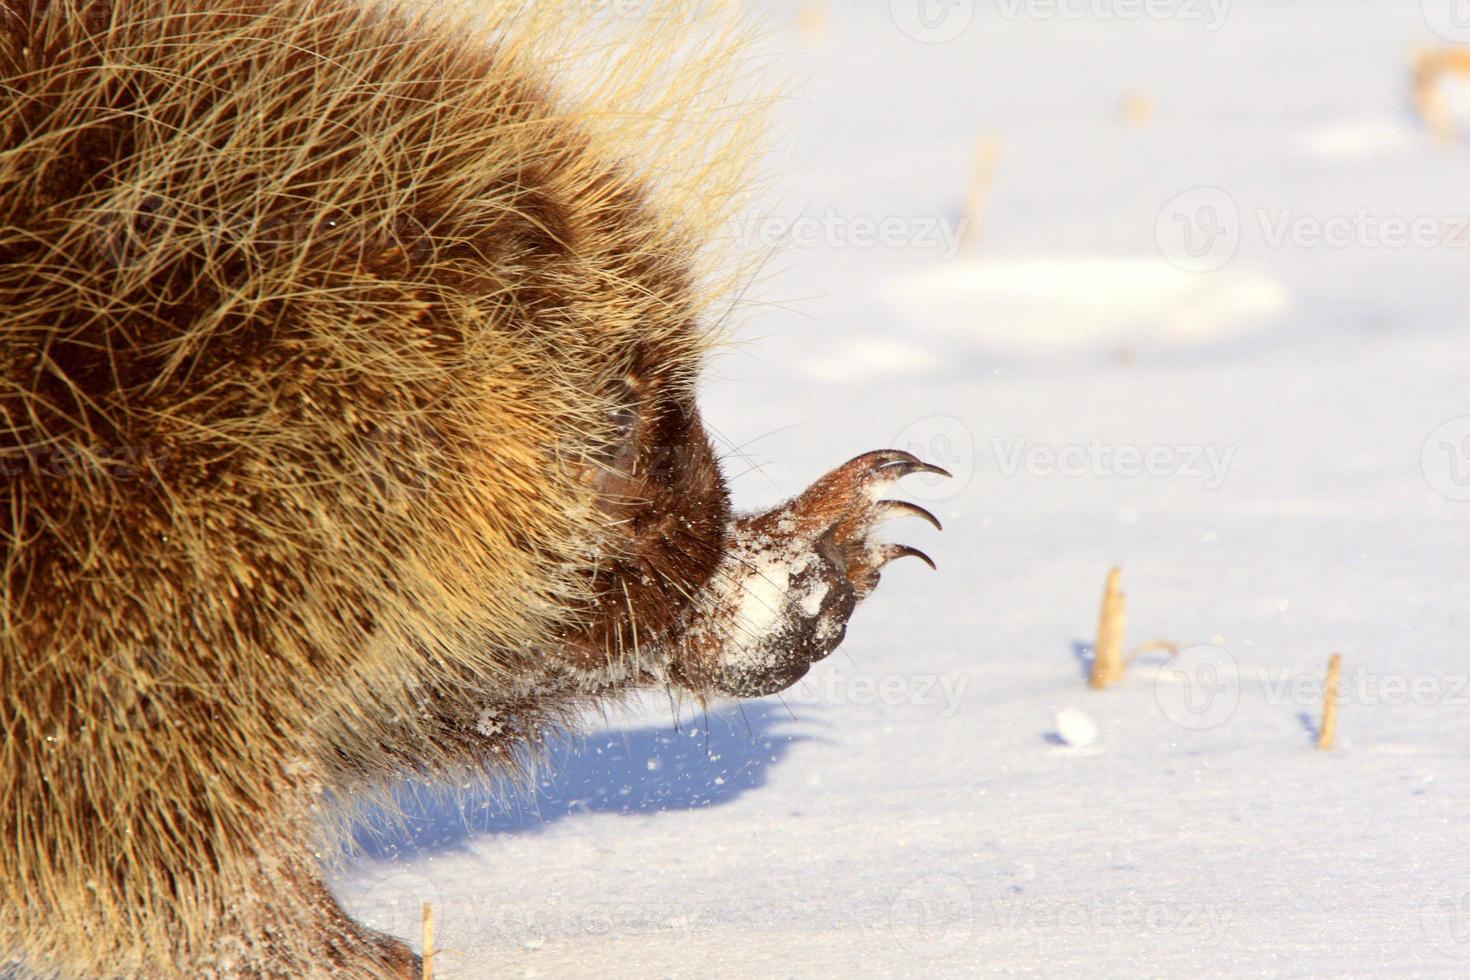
(792, 576)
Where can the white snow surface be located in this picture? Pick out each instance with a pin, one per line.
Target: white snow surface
(911, 808)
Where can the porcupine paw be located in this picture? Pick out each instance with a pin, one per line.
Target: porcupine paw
(345, 947)
(380, 956)
(402, 962)
(794, 574)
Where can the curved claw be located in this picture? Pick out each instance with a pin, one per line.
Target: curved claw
(893, 464)
(908, 467)
(891, 552)
(902, 508)
(860, 471)
(865, 474)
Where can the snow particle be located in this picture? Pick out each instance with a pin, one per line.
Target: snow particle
(1075, 728)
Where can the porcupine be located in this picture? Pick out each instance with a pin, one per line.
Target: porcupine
(348, 431)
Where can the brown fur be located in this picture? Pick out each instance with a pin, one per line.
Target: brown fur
(347, 430)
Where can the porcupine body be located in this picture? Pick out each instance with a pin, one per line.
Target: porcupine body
(347, 431)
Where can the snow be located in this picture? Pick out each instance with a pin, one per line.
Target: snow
(920, 805)
(760, 573)
(1075, 728)
(1066, 302)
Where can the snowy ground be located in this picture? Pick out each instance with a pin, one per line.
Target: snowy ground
(1149, 356)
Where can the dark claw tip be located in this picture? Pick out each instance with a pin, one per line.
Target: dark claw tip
(912, 465)
(911, 510)
(891, 552)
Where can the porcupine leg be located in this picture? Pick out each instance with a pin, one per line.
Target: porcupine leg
(356, 946)
(284, 922)
(792, 577)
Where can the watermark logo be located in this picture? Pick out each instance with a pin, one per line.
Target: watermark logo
(934, 917)
(1450, 19)
(688, 11)
(394, 904)
(933, 21)
(1199, 229)
(838, 231)
(405, 457)
(1209, 13)
(1199, 689)
(1204, 921)
(1445, 917)
(1202, 686)
(944, 441)
(1446, 459)
(1208, 464)
(947, 441)
(1362, 229)
(944, 693)
(115, 463)
(1366, 688)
